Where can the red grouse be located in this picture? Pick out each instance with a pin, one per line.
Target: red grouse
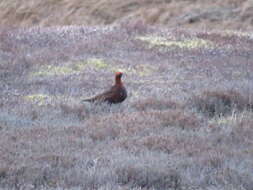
(116, 94)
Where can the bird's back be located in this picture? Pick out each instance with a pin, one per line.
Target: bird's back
(116, 94)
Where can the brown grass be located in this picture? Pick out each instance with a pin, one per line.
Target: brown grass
(229, 14)
(214, 103)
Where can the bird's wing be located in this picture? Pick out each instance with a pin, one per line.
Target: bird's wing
(101, 97)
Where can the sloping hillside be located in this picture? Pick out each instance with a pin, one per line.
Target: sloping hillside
(186, 124)
(202, 14)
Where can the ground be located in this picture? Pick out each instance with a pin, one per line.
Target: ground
(186, 124)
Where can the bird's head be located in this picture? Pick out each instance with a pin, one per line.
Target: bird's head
(118, 76)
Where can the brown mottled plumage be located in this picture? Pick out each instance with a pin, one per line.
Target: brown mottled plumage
(116, 94)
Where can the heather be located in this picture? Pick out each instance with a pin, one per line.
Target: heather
(186, 124)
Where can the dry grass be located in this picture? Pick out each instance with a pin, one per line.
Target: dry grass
(229, 14)
(186, 124)
(213, 103)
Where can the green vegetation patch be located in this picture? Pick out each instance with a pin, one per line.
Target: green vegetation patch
(39, 99)
(43, 99)
(94, 62)
(51, 70)
(98, 63)
(76, 68)
(187, 43)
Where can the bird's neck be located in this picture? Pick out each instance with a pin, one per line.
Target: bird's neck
(118, 81)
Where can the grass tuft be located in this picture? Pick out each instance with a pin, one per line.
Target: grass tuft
(148, 178)
(218, 103)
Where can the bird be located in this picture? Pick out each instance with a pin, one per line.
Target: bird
(116, 94)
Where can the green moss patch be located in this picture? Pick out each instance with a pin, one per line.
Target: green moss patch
(78, 67)
(94, 62)
(50, 70)
(75, 68)
(155, 41)
(97, 63)
(39, 99)
(43, 99)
